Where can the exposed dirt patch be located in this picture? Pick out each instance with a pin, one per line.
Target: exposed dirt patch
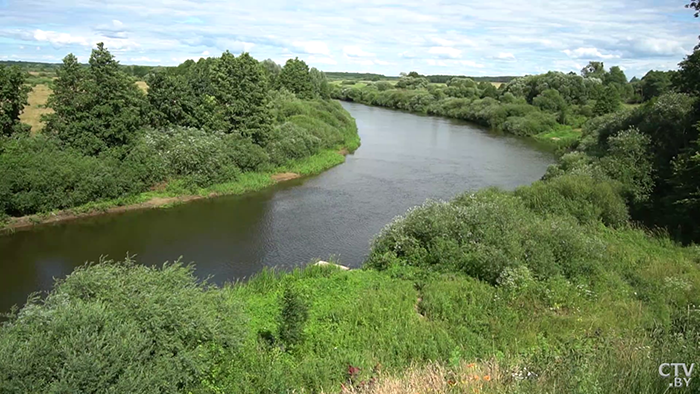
(31, 220)
(285, 176)
(344, 152)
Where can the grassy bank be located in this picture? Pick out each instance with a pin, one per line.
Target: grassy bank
(544, 289)
(176, 193)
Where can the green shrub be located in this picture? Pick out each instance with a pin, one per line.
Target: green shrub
(293, 317)
(483, 234)
(118, 327)
(587, 199)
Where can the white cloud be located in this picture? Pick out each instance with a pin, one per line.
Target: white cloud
(658, 47)
(582, 53)
(117, 23)
(59, 38)
(505, 56)
(205, 53)
(445, 52)
(313, 47)
(356, 51)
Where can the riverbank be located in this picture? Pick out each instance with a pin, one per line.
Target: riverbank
(168, 196)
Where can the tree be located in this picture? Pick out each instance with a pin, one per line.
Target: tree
(241, 92)
(273, 69)
(550, 100)
(615, 76)
(97, 108)
(687, 79)
(171, 101)
(320, 83)
(13, 98)
(607, 102)
(594, 70)
(655, 83)
(295, 78)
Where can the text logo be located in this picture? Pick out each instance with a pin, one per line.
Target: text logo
(678, 372)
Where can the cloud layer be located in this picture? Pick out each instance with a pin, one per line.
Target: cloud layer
(384, 36)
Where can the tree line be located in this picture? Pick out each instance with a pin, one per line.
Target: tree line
(200, 123)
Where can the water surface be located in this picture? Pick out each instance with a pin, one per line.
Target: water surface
(404, 159)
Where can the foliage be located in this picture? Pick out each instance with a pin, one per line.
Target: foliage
(295, 77)
(95, 108)
(13, 98)
(211, 122)
(118, 327)
(241, 92)
(293, 317)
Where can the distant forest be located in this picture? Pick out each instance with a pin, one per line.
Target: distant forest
(142, 71)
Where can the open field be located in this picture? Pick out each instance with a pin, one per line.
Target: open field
(36, 107)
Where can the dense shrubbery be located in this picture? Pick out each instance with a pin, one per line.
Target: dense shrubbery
(201, 124)
(121, 328)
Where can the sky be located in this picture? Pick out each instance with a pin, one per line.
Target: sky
(456, 37)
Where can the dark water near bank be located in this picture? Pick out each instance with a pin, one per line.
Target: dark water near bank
(404, 159)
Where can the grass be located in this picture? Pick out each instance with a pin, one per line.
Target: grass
(404, 330)
(563, 136)
(36, 107)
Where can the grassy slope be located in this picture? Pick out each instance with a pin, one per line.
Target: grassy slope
(573, 339)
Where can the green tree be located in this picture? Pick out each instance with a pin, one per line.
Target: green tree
(13, 98)
(241, 92)
(97, 108)
(655, 83)
(608, 102)
(320, 83)
(273, 70)
(615, 76)
(171, 101)
(295, 77)
(594, 70)
(550, 100)
(687, 80)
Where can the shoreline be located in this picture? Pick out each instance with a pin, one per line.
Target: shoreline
(247, 183)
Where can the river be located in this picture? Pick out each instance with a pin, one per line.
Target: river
(404, 159)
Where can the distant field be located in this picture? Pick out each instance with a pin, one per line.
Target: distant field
(142, 85)
(37, 105)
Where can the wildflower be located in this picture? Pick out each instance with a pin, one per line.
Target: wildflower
(487, 378)
(472, 365)
(476, 377)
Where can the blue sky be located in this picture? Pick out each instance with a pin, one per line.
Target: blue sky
(504, 37)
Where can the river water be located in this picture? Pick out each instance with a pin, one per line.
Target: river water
(404, 159)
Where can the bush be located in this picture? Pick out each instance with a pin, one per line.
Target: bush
(118, 327)
(484, 234)
(531, 124)
(195, 155)
(292, 318)
(36, 175)
(587, 199)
